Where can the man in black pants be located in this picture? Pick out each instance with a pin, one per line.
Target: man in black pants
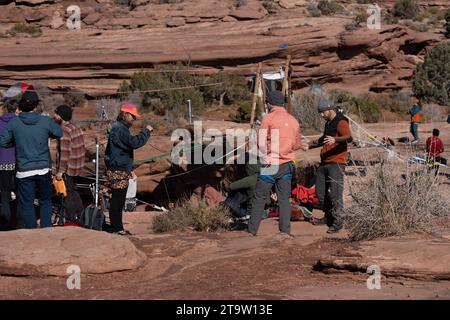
(330, 174)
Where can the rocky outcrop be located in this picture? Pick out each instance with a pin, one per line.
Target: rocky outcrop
(111, 47)
(51, 251)
(403, 257)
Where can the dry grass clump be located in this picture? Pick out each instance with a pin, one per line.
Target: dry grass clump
(191, 214)
(395, 200)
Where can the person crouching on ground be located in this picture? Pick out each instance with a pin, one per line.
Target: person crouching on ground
(435, 148)
(69, 162)
(119, 161)
(30, 132)
(333, 156)
(277, 167)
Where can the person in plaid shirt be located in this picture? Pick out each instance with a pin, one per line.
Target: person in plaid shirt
(70, 162)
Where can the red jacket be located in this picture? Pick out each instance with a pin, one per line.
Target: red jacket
(434, 146)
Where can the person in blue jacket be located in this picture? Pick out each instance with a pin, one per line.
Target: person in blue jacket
(119, 161)
(29, 134)
(416, 118)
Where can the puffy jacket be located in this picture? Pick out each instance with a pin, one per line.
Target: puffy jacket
(119, 151)
(29, 133)
(7, 155)
(283, 149)
(414, 112)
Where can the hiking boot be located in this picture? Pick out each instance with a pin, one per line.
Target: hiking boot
(319, 222)
(283, 236)
(415, 141)
(335, 228)
(123, 233)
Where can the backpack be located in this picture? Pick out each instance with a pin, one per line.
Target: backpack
(92, 218)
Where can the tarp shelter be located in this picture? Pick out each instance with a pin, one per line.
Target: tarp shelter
(273, 81)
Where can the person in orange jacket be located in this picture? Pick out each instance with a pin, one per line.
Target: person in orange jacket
(416, 118)
(279, 134)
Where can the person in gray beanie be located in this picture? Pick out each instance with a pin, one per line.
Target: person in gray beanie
(333, 158)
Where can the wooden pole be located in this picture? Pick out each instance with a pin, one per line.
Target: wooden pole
(255, 95)
(289, 108)
(262, 102)
(286, 72)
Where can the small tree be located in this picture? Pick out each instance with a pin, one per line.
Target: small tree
(406, 9)
(432, 78)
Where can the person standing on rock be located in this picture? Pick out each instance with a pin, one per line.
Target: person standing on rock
(69, 162)
(29, 133)
(119, 161)
(333, 156)
(416, 118)
(277, 167)
(7, 170)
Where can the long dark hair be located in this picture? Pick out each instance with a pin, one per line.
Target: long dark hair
(121, 116)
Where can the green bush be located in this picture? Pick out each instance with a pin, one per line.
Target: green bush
(432, 78)
(164, 79)
(31, 29)
(406, 9)
(329, 7)
(367, 109)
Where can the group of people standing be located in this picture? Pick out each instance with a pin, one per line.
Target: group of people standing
(26, 162)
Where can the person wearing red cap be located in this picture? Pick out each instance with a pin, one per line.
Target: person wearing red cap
(119, 161)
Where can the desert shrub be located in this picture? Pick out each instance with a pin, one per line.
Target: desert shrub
(270, 5)
(304, 109)
(329, 7)
(234, 89)
(162, 80)
(30, 29)
(406, 9)
(416, 26)
(432, 77)
(356, 23)
(447, 23)
(396, 101)
(388, 18)
(74, 99)
(395, 201)
(243, 113)
(364, 106)
(313, 10)
(191, 214)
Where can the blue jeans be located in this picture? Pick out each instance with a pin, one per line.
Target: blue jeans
(414, 129)
(27, 190)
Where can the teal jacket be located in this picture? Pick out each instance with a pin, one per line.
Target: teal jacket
(29, 133)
